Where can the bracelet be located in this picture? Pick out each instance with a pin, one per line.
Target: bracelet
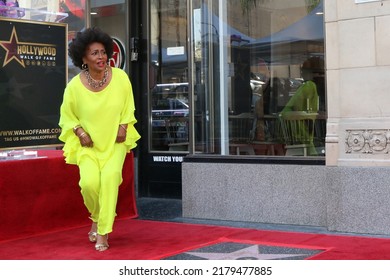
(121, 125)
(76, 127)
(82, 134)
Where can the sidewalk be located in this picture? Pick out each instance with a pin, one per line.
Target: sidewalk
(170, 210)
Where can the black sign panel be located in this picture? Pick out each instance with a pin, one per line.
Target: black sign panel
(33, 76)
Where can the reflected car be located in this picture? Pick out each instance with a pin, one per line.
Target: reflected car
(169, 108)
(170, 116)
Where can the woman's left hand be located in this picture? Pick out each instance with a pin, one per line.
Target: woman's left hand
(121, 137)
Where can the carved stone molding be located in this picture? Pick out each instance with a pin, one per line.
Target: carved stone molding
(368, 141)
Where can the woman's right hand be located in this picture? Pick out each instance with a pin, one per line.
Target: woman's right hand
(85, 139)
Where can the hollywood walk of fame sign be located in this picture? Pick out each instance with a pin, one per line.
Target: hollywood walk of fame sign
(33, 76)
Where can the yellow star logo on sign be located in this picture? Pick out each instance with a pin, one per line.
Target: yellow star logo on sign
(11, 48)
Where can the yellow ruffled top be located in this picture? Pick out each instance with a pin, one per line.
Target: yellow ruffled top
(99, 114)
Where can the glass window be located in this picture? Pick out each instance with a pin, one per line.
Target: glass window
(168, 100)
(259, 86)
(76, 21)
(110, 16)
(46, 11)
(63, 11)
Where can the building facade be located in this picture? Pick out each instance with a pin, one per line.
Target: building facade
(348, 193)
(261, 111)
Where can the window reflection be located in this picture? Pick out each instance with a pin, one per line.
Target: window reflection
(274, 53)
(169, 100)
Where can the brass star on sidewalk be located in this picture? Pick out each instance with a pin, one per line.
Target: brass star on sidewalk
(248, 253)
(11, 48)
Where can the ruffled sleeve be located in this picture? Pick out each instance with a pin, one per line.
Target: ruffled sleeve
(68, 121)
(127, 117)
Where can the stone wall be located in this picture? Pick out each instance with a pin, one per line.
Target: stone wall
(342, 199)
(358, 85)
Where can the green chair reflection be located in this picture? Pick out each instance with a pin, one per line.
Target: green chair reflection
(298, 131)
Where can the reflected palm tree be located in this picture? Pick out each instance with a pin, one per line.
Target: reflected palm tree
(247, 4)
(311, 4)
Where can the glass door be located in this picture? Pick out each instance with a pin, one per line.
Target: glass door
(166, 103)
(209, 50)
(169, 95)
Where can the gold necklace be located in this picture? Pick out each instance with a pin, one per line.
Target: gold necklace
(95, 83)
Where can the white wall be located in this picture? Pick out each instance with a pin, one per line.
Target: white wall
(358, 82)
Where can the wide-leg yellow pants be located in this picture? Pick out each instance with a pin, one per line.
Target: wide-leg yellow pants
(100, 186)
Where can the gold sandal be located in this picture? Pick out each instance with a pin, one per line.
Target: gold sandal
(102, 246)
(92, 236)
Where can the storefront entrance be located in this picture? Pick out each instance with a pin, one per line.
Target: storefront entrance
(166, 104)
(227, 78)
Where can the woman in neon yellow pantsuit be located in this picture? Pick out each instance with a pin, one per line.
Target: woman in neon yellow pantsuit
(97, 121)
